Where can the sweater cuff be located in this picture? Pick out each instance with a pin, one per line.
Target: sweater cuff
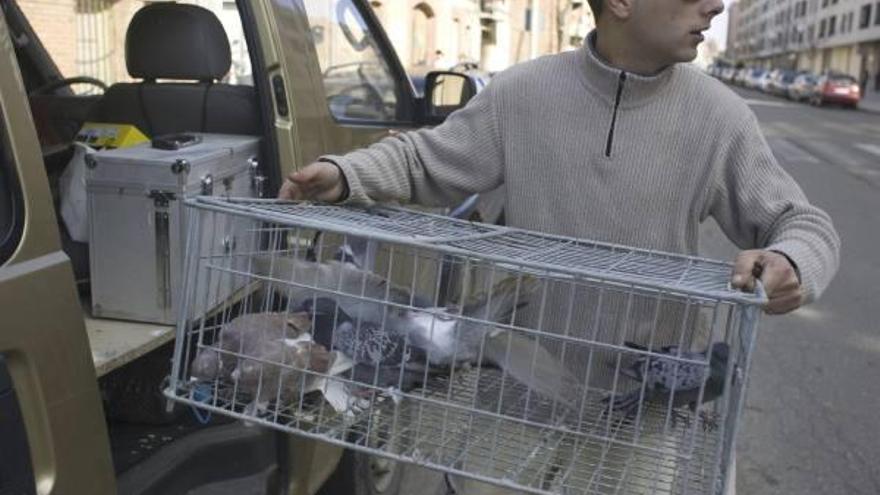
(354, 191)
(803, 259)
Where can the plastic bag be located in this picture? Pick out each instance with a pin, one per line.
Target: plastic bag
(72, 185)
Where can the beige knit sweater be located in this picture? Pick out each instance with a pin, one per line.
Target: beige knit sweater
(589, 151)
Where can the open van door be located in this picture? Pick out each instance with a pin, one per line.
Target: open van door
(336, 80)
(52, 431)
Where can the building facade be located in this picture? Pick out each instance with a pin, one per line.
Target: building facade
(495, 34)
(815, 35)
(83, 36)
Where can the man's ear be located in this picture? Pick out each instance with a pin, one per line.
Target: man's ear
(621, 9)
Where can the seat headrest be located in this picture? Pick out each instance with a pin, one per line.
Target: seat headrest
(176, 41)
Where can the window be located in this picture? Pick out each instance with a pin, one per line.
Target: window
(832, 25)
(822, 28)
(11, 204)
(92, 44)
(877, 14)
(358, 83)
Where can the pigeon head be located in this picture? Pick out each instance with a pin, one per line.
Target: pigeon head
(206, 365)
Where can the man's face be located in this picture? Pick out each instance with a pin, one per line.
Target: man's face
(670, 30)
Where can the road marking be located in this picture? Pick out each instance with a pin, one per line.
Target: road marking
(866, 343)
(785, 150)
(838, 127)
(870, 148)
(807, 313)
(785, 128)
(766, 103)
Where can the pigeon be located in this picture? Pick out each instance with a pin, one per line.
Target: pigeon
(669, 378)
(273, 371)
(369, 291)
(448, 339)
(352, 251)
(241, 336)
(411, 341)
(381, 358)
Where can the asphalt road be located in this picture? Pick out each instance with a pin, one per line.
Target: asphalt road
(812, 419)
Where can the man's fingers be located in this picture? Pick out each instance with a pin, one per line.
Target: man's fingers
(777, 275)
(774, 272)
(317, 181)
(289, 191)
(784, 304)
(743, 276)
(780, 276)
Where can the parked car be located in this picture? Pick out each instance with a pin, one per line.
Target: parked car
(728, 74)
(780, 82)
(836, 88)
(740, 76)
(802, 87)
(753, 79)
(763, 82)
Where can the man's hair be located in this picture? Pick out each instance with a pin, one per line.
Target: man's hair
(596, 5)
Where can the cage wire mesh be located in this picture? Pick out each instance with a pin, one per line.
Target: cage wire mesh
(537, 362)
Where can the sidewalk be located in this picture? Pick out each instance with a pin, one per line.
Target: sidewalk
(870, 101)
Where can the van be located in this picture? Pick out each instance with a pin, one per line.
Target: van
(81, 409)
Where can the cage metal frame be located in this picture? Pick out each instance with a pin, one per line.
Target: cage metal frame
(275, 212)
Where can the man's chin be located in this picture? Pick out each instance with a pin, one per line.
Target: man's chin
(686, 55)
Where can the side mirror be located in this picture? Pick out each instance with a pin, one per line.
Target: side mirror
(446, 92)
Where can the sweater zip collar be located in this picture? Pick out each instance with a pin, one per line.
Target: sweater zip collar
(621, 80)
(603, 79)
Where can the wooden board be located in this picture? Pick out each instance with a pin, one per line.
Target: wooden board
(115, 343)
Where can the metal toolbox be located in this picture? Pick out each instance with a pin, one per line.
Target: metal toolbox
(138, 223)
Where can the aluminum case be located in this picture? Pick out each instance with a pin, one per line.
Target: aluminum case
(138, 221)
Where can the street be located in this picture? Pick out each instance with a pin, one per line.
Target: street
(811, 419)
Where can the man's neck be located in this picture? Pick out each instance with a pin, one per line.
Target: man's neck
(617, 50)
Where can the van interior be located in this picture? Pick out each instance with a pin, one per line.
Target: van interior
(180, 77)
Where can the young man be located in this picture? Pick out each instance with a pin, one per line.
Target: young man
(620, 142)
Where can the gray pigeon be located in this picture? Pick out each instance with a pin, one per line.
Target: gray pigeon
(448, 340)
(435, 339)
(242, 336)
(666, 378)
(381, 358)
(342, 276)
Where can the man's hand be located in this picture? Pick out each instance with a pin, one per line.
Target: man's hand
(778, 275)
(320, 181)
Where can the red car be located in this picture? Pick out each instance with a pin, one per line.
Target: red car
(836, 88)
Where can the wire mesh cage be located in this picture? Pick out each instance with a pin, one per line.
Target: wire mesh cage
(537, 362)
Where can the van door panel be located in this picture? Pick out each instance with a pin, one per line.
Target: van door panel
(43, 339)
